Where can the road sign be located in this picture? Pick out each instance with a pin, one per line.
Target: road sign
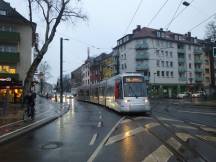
(214, 51)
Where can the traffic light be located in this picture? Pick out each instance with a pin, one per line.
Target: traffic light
(214, 51)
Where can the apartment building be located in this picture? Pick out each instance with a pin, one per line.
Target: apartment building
(171, 62)
(16, 40)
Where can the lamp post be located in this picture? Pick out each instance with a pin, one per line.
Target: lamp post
(61, 69)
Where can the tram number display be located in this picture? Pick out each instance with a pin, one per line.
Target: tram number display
(133, 79)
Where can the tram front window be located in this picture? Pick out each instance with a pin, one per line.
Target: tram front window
(135, 90)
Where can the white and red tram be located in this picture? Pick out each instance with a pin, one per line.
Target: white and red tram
(123, 93)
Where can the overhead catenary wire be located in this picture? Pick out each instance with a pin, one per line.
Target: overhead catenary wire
(137, 9)
(157, 12)
(180, 13)
(202, 22)
(168, 25)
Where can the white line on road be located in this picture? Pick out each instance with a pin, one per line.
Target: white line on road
(198, 112)
(124, 135)
(99, 124)
(161, 154)
(93, 139)
(100, 146)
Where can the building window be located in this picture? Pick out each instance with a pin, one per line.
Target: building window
(162, 73)
(162, 53)
(166, 52)
(162, 63)
(167, 73)
(2, 12)
(122, 66)
(158, 34)
(171, 74)
(189, 56)
(125, 66)
(158, 73)
(207, 71)
(167, 64)
(158, 63)
(171, 64)
(157, 53)
(171, 54)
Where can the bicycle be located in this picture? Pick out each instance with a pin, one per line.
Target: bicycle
(29, 115)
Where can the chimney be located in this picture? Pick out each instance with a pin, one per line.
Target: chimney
(161, 29)
(138, 28)
(189, 34)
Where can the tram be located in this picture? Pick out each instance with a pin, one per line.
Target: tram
(123, 93)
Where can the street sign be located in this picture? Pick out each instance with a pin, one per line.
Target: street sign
(214, 51)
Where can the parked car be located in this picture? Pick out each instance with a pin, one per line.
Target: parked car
(199, 94)
(183, 95)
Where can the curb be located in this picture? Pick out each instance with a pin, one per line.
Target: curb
(8, 136)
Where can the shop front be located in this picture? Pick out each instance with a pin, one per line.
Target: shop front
(10, 90)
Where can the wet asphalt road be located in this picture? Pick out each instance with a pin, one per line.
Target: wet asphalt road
(174, 132)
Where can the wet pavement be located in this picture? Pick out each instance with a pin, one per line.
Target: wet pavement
(88, 132)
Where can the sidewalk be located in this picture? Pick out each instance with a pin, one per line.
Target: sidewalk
(12, 125)
(211, 103)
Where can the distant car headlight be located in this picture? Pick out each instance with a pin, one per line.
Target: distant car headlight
(146, 100)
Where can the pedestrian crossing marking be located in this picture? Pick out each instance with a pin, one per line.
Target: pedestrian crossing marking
(124, 135)
(161, 154)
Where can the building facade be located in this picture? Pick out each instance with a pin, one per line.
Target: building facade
(171, 62)
(16, 40)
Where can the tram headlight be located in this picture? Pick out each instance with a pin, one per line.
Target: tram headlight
(146, 100)
(126, 101)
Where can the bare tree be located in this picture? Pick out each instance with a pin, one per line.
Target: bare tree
(44, 68)
(53, 13)
(211, 30)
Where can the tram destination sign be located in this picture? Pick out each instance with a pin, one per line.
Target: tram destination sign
(133, 79)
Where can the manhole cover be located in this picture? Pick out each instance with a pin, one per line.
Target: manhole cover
(51, 145)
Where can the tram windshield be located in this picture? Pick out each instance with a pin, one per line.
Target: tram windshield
(134, 86)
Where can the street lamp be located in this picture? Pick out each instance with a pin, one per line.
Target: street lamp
(61, 68)
(154, 82)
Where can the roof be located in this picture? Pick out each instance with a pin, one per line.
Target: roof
(12, 15)
(145, 32)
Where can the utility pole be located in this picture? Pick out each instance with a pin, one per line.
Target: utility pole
(61, 70)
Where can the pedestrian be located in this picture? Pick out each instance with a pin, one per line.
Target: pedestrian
(5, 103)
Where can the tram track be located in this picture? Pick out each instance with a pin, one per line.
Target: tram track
(181, 150)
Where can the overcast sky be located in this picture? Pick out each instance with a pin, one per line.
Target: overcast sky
(108, 21)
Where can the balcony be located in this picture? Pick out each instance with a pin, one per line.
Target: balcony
(198, 70)
(141, 55)
(181, 59)
(182, 79)
(141, 46)
(181, 50)
(142, 67)
(9, 57)
(14, 77)
(198, 79)
(9, 37)
(198, 51)
(197, 60)
(182, 69)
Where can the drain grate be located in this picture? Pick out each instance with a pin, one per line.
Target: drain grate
(51, 145)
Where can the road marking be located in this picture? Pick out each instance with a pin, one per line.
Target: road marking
(198, 112)
(126, 121)
(174, 143)
(209, 129)
(172, 120)
(184, 126)
(93, 139)
(184, 136)
(99, 124)
(207, 138)
(100, 146)
(124, 135)
(161, 154)
(143, 117)
(100, 117)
